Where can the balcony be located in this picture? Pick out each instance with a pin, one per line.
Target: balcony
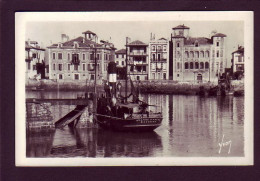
(28, 59)
(159, 61)
(138, 53)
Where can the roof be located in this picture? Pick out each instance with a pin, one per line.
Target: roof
(28, 47)
(88, 32)
(240, 50)
(163, 39)
(121, 51)
(137, 43)
(181, 27)
(79, 40)
(219, 35)
(200, 40)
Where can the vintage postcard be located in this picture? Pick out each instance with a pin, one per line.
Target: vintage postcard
(134, 88)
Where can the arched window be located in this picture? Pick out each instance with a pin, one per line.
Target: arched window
(191, 54)
(196, 65)
(206, 65)
(186, 54)
(191, 65)
(201, 54)
(186, 65)
(207, 54)
(178, 44)
(201, 65)
(217, 54)
(196, 54)
(178, 55)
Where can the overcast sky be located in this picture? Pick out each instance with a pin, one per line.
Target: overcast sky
(47, 32)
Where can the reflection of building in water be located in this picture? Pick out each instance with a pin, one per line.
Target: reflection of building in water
(117, 144)
(38, 144)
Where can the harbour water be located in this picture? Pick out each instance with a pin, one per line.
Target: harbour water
(192, 126)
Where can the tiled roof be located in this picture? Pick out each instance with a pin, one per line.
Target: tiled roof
(88, 32)
(121, 51)
(200, 40)
(219, 35)
(137, 42)
(181, 27)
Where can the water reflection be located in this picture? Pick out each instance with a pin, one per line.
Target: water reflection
(192, 126)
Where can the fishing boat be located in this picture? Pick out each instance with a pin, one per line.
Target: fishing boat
(124, 113)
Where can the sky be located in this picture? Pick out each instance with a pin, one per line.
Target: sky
(50, 32)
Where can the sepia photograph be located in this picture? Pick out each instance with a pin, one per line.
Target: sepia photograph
(134, 88)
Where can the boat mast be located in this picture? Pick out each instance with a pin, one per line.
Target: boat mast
(95, 58)
(126, 64)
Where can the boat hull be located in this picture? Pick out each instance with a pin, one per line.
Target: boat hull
(136, 125)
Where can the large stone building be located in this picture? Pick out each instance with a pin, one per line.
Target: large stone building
(158, 59)
(237, 62)
(196, 58)
(34, 59)
(75, 59)
(138, 60)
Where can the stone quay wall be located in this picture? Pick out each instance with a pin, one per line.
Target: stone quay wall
(147, 86)
(39, 117)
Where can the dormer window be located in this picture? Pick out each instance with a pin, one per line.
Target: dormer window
(76, 45)
(196, 44)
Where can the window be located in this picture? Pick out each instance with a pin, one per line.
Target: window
(153, 56)
(68, 66)
(53, 55)
(92, 56)
(60, 76)
(75, 58)
(217, 44)
(196, 65)
(123, 63)
(201, 65)
(34, 67)
(164, 76)
(186, 65)
(59, 56)
(191, 65)
(207, 54)
(123, 56)
(240, 58)
(76, 76)
(196, 54)
(201, 54)
(76, 67)
(132, 68)
(159, 57)
(68, 56)
(178, 55)
(84, 56)
(117, 62)
(91, 67)
(92, 76)
(53, 66)
(144, 68)
(178, 44)
(60, 67)
(196, 44)
(191, 54)
(186, 54)
(47, 69)
(164, 48)
(178, 75)
(29, 65)
(153, 75)
(116, 55)
(137, 77)
(178, 65)
(206, 65)
(159, 48)
(217, 54)
(84, 67)
(34, 55)
(98, 56)
(153, 48)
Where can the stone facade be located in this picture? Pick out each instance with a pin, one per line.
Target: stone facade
(75, 59)
(39, 116)
(197, 59)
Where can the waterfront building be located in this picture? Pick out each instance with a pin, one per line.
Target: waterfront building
(120, 56)
(158, 59)
(138, 60)
(237, 61)
(34, 60)
(197, 59)
(75, 59)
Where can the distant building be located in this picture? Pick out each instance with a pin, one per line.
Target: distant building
(138, 60)
(196, 58)
(237, 61)
(34, 59)
(158, 59)
(75, 59)
(120, 57)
